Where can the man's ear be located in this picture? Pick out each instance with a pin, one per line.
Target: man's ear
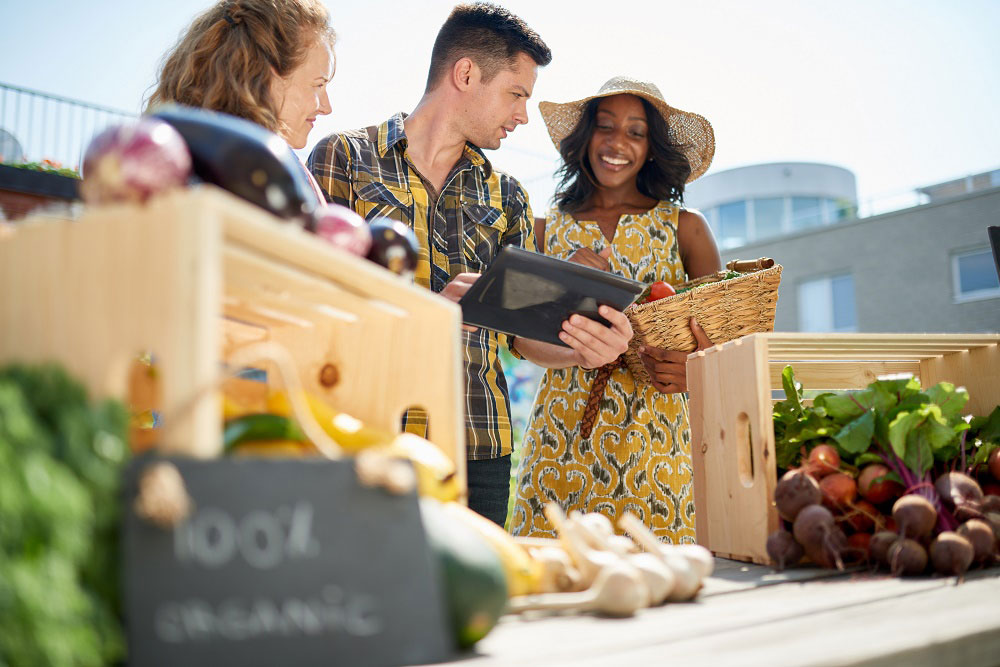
(464, 73)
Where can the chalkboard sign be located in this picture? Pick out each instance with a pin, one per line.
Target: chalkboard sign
(281, 562)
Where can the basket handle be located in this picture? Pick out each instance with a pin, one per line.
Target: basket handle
(747, 265)
(597, 393)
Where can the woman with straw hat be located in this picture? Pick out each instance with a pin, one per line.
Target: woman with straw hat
(627, 156)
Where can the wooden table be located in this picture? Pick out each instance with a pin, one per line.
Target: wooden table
(750, 615)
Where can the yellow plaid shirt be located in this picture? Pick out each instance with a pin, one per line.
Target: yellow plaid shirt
(478, 211)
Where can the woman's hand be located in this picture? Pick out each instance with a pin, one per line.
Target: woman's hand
(668, 368)
(593, 343)
(597, 260)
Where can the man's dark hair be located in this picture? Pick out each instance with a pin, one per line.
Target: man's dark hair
(662, 177)
(488, 35)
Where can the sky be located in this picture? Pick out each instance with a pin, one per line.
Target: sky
(904, 93)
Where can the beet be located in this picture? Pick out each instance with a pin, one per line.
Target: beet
(990, 504)
(822, 541)
(914, 515)
(980, 535)
(907, 557)
(823, 460)
(957, 489)
(993, 463)
(951, 553)
(812, 525)
(839, 490)
(859, 544)
(783, 549)
(861, 517)
(829, 554)
(878, 547)
(992, 519)
(875, 487)
(795, 491)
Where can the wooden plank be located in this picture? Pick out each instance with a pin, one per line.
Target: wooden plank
(732, 445)
(403, 351)
(785, 340)
(947, 625)
(977, 370)
(91, 294)
(806, 623)
(852, 356)
(237, 333)
(839, 374)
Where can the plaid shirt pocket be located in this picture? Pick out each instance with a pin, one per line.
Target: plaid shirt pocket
(378, 200)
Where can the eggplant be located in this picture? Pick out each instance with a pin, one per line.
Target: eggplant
(245, 159)
(394, 246)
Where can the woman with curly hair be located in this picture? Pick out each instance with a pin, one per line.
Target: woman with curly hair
(268, 61)
(627, 156)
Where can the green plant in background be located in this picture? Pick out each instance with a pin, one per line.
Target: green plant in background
(46, 165)
(60, 464)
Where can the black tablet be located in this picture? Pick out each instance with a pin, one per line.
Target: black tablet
(530, 295)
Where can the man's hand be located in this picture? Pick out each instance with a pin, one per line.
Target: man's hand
(668, 368)
(594, 344)
(597, 260)
(457, 288)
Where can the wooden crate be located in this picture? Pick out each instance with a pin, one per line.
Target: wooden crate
(732, 433)
(198, 274)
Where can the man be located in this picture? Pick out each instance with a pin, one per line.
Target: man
(427, 169)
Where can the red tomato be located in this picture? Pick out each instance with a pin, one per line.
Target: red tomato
(659, 290)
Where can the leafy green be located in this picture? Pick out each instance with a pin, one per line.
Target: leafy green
(856, 435)
(984, 436)
(894, 418)
(60, 458)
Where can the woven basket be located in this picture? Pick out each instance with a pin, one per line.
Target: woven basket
(726, 310)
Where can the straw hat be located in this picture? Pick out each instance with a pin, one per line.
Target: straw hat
(689, 131)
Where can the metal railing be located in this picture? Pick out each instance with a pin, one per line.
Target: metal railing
(37, 126)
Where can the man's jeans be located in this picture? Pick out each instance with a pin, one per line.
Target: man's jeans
(489, 487)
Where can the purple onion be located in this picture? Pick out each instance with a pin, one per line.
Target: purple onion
(134, 161)
(343, 228)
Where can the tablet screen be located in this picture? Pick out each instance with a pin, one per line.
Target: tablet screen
(530, 295)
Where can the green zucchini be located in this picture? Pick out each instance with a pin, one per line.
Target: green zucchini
(260, 426)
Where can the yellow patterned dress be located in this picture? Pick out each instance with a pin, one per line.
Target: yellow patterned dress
(638, 456)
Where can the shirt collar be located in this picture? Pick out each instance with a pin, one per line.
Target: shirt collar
(392, 132)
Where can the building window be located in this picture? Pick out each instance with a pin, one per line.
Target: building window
(806, 212)
(974, 275)
(827, 305)
(733, 224)
(768, 217)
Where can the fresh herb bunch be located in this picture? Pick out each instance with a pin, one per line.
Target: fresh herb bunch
(60, 462)
(890, 418)
(729, 275)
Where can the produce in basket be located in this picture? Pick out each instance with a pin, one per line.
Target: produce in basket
(394, 246)
(133, 161)
(472, 574)
(901, 450)
(343, 228)
(245, 159)
(727, 305)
